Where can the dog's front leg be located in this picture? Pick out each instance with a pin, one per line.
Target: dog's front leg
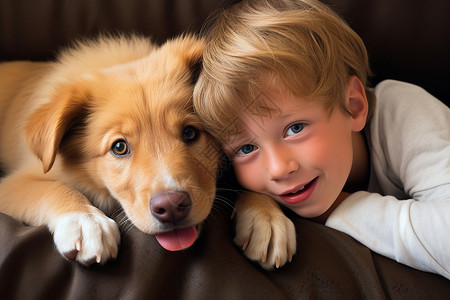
(263, 231)
(81, 232)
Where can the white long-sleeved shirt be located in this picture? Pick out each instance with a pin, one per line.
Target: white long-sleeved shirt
(405, 214)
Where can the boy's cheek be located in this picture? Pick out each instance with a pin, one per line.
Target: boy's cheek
(248, 177)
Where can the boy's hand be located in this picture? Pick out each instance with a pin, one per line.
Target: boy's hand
(263, 232)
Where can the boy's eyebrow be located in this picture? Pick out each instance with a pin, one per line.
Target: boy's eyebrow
(286, 116)
(230, 147)
(246, 136)
(233, 140)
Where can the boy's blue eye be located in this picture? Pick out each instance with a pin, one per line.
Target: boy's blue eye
(294, 129)
(246, 149)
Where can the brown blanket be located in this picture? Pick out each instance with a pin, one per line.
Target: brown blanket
(328, 265)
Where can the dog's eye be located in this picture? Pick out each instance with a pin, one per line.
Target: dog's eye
(190, 134)
(120, 148)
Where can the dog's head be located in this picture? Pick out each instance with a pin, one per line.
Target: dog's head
(130, 131)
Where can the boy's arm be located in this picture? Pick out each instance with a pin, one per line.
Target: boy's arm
(407, 217)
(412, 232)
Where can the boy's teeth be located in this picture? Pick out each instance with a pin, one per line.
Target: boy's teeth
(300, 189)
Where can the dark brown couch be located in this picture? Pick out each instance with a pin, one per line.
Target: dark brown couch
(407, 40)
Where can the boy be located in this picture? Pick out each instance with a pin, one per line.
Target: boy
(284, 89)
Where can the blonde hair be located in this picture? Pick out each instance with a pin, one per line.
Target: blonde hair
(302, 42)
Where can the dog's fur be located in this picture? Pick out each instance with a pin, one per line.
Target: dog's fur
(60, 123)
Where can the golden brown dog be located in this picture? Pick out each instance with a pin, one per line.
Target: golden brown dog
(110, 121)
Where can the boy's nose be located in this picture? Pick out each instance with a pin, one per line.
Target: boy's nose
(280, 165)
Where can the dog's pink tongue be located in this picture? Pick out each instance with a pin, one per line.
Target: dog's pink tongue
(177, 239)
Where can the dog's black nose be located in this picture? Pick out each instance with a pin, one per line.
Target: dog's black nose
(170, 207)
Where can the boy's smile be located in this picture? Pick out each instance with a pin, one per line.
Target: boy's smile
(299, 194)
(301, 154)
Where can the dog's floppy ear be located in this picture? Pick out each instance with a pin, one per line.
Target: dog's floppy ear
(193, 50)
(48, 124)
(195, 69)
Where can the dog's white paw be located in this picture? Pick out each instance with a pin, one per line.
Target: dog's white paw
(87, 237)
(263, 232)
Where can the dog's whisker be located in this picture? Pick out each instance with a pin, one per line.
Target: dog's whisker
(123, 220)
(224, 202)
(127, 228)
(117, 212)
(223, 189)
(125, 224)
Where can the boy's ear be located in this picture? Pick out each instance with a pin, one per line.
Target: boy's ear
(357, 104)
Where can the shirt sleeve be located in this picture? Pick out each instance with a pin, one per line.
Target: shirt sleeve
(408, 217)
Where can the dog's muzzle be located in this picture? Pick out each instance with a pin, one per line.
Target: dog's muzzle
(172, 208)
